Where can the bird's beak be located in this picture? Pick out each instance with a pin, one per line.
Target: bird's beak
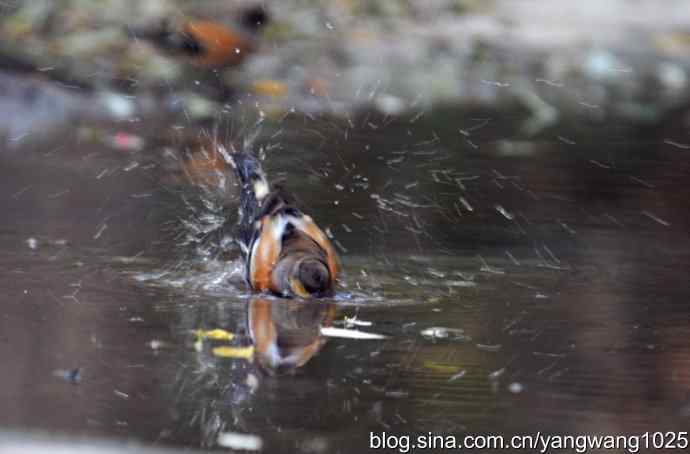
(298, 289)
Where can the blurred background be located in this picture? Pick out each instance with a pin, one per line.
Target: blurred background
(505, 181)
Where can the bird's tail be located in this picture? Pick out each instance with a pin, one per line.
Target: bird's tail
(254, 190)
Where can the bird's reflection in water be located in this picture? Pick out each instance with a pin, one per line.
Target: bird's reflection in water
(235, 393)
(286, 334)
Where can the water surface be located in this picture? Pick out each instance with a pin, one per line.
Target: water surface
(557, 267)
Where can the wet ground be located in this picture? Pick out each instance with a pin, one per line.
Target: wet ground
(523, 285)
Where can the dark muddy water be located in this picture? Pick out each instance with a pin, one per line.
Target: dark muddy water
(557, 268)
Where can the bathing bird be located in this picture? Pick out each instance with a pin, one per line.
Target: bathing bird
(285, 251)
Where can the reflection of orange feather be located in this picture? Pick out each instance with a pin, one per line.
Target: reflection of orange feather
(220, 45)
(307, 352)
(285, 333)
(263, 329)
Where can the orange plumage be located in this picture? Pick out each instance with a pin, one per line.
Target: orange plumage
(208, 43)
(219, 45)
(286, 253)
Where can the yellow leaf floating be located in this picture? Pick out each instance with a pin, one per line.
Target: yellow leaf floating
(234, 352)
(270, 88)
(214, 334)
(219, 334)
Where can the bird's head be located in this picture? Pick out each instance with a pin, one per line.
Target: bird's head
(304, 276)
(255, 17)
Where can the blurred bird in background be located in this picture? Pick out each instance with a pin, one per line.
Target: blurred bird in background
(208, 43)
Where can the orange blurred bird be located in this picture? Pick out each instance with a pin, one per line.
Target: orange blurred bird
(285, 252)
(208, 43)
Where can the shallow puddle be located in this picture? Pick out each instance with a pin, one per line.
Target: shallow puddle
(521, 286)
